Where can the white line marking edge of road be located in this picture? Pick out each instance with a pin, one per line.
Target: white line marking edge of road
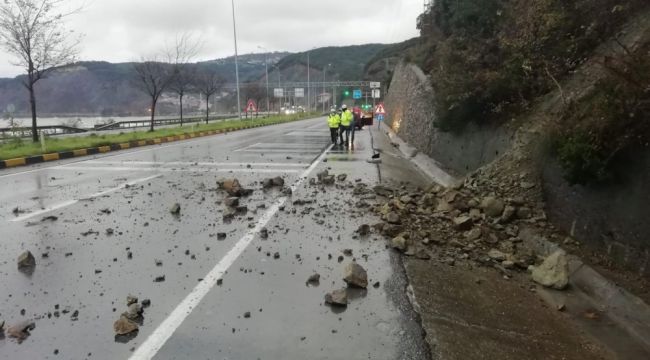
(87, 197)
(157, 339)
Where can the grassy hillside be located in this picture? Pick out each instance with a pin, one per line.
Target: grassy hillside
(97, 87)
(348, 62)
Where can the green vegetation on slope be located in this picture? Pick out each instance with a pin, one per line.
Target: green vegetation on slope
(495, 56)
(348, 62)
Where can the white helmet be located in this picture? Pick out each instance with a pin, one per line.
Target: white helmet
(344, 107)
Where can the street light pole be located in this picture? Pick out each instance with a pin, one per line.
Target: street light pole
(266, 65)
(308, 85)
(234, 27)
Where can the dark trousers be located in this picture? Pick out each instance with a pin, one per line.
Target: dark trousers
(334, 132)
(346, 130)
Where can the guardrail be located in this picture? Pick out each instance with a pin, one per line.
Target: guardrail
(53, 130)
(129, 124)
(25, 132)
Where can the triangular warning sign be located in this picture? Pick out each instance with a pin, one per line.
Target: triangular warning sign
(251, 107)
(380, 110)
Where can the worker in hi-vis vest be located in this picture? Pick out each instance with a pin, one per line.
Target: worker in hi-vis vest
(346, 123)
(334, 121)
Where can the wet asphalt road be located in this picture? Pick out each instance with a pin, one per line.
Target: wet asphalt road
(197, 312)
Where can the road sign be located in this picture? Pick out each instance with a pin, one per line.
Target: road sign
(299, 92)
(278, 92)
(380, 109)
(357, 94)
(380, 117)
(375, 85)
(251, 107)
(376, 93)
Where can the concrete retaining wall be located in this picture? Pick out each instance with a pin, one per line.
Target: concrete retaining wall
(410, 107)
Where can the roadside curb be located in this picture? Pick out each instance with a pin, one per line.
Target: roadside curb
(36, 159)
(424, 163)
(626, 310)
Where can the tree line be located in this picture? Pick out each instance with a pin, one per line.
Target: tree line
(34, 32)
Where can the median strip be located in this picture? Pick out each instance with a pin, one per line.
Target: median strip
(121, 144)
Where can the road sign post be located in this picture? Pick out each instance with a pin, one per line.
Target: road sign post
(251, 107)
(380, 114)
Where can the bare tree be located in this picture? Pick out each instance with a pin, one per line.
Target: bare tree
(182, 53)
(33, 32)
(208, 83)
(153, 77)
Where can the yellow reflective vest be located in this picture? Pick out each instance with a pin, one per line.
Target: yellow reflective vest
(346, 118)
(334, 121)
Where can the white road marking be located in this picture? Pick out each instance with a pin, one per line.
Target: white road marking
(299, 151)
(194, 163)
(166, 329)
(74, 201)
(183, 169)
(124, 153)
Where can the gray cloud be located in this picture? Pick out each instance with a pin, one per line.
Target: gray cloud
(126, 30)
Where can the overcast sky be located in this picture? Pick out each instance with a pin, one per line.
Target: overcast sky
(126, 30)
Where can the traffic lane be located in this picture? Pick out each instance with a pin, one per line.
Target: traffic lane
(287, 317)
(37, 189)
(235, 139)
(89, 267)
(94, 273)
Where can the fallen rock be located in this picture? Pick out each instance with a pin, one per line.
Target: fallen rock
(124, 326)
(399, 243)
(392, 218)
(175, 209)
(131, 300)
(342, 177)
(463, 223)
(323, 174)
(364, 229)
(383, 190)
(232, 201)
(509, 214)
(26, 260)
(356, 275)
(278, 181)
(267, 183)
(314, 279)
(492, 206)
(233, 187)
(497, 255)
(553, 272)
(328, 180)
(337, 298)
(264, 233)
(21, 330)
(134, 312)
(474, 234)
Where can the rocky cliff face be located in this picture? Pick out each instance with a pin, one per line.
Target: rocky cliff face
(605, 222)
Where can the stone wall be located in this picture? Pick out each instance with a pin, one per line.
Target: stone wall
(410, 107)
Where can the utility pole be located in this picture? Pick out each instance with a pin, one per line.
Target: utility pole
(234, 27)
(308, 84)
(266, 65)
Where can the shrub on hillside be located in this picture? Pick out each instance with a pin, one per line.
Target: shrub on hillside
(494, 56)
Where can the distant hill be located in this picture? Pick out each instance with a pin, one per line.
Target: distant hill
(103, 88)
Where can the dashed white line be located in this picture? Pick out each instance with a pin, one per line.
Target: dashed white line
(180, 169)
(166, 329)
(192, 163)
(74, 201)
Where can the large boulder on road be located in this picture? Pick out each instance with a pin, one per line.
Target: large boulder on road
(355, 275)
(553, 272)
